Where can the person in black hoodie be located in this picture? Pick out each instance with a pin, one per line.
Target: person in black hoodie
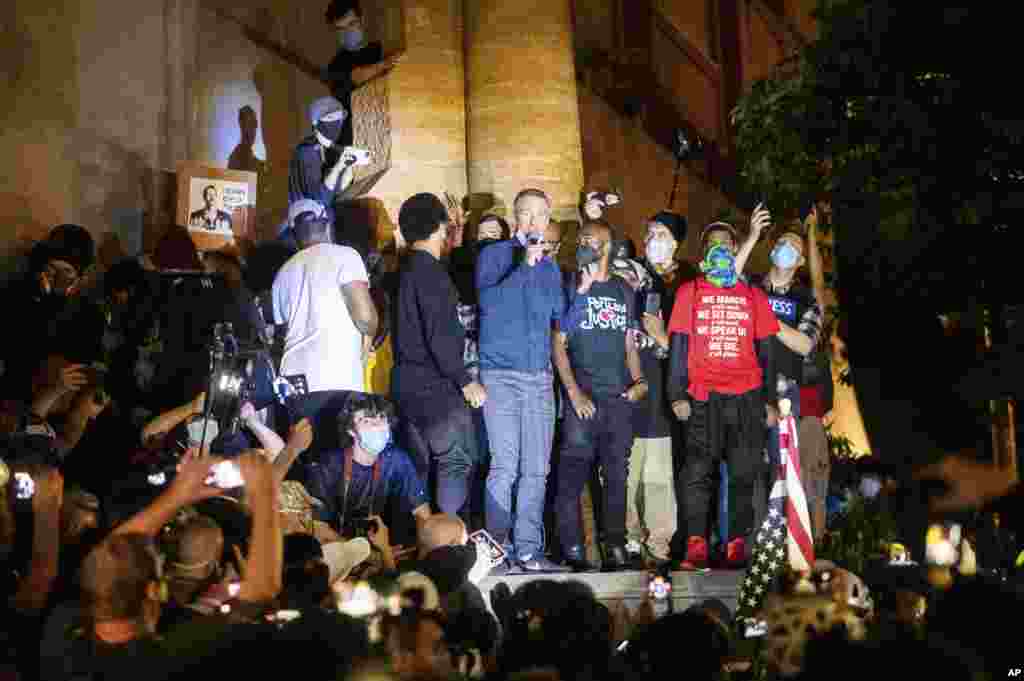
(431, 385)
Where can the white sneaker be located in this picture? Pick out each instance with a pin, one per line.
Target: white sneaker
(634, 548)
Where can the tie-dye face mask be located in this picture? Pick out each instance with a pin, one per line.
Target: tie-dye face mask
(719, 266)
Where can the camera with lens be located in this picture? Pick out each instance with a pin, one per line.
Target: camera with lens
(230, 383)
(687, 147)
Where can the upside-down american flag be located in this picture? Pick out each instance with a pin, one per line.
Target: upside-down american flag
(784, 538)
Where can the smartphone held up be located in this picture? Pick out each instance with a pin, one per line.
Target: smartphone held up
(495, 550)
(225, 475)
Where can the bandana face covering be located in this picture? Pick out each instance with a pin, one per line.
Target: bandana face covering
(719, 266)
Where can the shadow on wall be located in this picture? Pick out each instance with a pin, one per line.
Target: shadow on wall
(115, 191)
(243, 157)
(273, 87)
(16, 216)
(117, 194)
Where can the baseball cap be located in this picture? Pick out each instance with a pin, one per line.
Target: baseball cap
(306, 210)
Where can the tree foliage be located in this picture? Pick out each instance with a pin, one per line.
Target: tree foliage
(896, 101)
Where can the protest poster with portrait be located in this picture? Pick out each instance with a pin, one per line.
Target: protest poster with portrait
(216, 205)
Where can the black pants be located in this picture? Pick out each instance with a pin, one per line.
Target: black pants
(729, 426)
(446, 453)
(606, 440)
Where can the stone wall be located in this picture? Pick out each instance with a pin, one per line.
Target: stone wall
(619, 154)
(426, 111)
(105, 101)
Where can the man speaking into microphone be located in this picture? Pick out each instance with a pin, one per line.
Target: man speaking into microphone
(599, 366)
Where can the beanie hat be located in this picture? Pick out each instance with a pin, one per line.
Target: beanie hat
(323, 106)
(419, 217)
(675, 223)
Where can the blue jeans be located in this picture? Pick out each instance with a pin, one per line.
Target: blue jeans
(520, 418)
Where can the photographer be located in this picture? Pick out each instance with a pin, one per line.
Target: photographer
(66, 398)
(193, 302)
(369, 476)
(320, 169)
(184, 425)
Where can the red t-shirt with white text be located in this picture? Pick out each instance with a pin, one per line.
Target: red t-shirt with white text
(722, 324)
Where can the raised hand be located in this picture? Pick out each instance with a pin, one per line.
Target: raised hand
(378, 534)
(759, 220)
(72, 377)
(300, 436)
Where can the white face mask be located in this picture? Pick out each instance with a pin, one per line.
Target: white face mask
(659, 251)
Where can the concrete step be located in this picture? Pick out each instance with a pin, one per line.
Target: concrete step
(630, 588)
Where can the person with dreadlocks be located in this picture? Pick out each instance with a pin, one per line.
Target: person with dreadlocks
(722, 383)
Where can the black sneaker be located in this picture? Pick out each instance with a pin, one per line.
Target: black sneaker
(502, 569)
(576, 560)
(539, 564)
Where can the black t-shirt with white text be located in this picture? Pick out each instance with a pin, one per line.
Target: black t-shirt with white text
(600, 319)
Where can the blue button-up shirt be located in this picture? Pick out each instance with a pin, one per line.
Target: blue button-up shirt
(518, 304)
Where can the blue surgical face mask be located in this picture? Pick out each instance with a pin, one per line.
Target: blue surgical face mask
(374, 440)
(785, 256)
(351, 39)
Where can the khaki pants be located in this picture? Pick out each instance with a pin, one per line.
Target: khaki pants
(650, 495)
(815, 466)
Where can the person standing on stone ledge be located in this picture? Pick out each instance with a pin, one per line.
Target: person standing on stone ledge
(520, 294)
(601, 376)
(356, 61)
(320, 168)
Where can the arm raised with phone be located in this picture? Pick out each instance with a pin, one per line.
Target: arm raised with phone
(262, 581)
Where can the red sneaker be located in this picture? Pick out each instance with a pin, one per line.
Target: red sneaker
(736, 554)
(696, 554)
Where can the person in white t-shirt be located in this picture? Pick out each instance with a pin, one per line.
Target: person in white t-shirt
(321, 298)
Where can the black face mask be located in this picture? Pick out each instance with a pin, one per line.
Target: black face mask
(330, 129)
